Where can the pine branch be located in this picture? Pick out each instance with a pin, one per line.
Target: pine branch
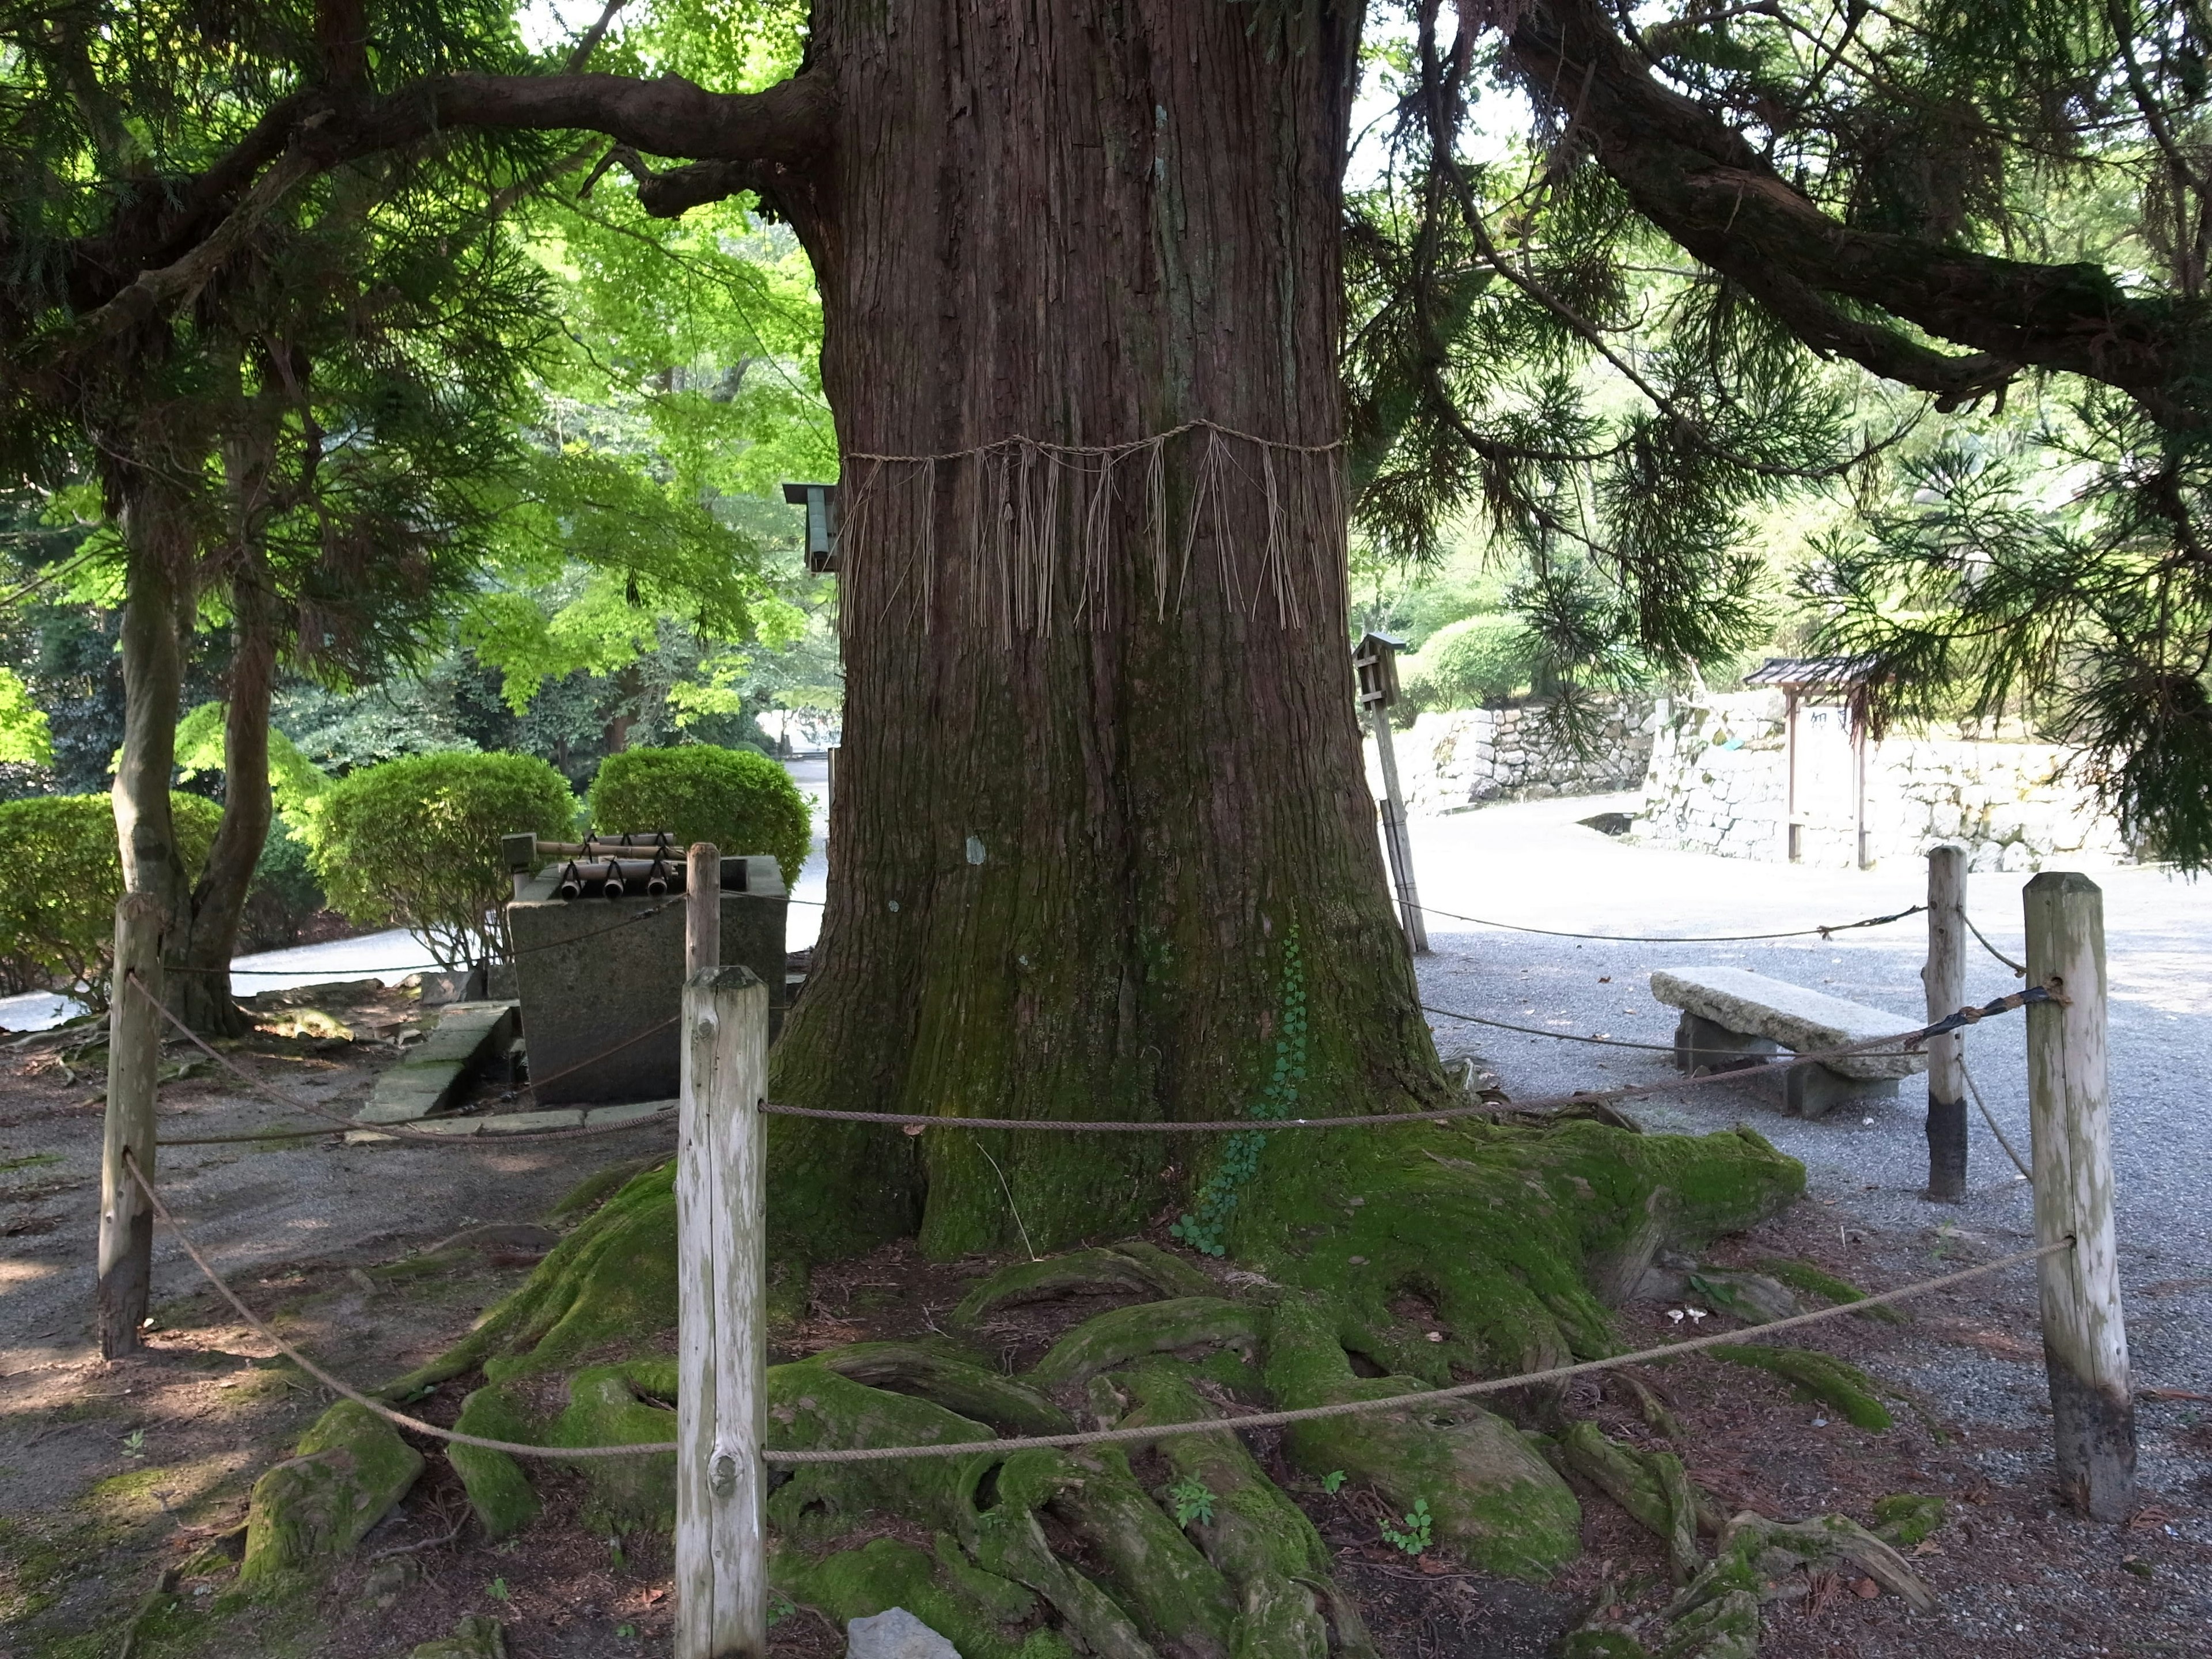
(1704, 183)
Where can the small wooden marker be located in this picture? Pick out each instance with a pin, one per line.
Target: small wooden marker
(1945, 977)
(2085, 1338)
(124, 1290)
(721, 1251)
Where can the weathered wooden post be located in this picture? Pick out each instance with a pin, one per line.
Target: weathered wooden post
(2085, 1340)
(1944, 974)
(703, 908)
(1375, 660)
(125, 1286)
(721, 1249)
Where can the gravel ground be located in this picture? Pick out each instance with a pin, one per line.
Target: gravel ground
(1535, 864)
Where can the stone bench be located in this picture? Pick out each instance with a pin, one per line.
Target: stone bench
(1734, 1020)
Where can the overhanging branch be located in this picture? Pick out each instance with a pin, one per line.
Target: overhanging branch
(1697, 178)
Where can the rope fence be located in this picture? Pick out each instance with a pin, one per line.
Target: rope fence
(400, 1131)
(1825, 932)
(792, 1457)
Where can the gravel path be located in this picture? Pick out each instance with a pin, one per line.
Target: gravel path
(1535, 864)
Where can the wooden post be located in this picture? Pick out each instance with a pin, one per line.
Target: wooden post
(1395, 839)
(703, 908)
(2085, 1339)
(125, 1286)
(1944, 974)
(721, 1249)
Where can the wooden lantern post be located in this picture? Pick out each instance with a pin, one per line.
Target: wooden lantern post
(1374, 658)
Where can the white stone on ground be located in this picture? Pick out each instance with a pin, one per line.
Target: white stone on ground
(895, 1633)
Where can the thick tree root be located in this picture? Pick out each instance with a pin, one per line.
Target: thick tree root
(1385, 1264)
(1820, 1376)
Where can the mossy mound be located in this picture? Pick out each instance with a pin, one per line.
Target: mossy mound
(1811, 1280)
(1906, 1518)
(349, 1471)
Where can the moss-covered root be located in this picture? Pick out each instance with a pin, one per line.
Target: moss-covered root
(1133, 1267)
(959, 1386)
(629, 1404)
(498, 1492)
(613, 1280)
(1821, 1376)
(1905, 1518)
(349, 1470)
(1493, 1498)
(1182, 1603)
(1117, 1337)
(1515, 1237)
(984, 1615)
(1652, 1487)
(1769, 1560)
(1810, 1281)
(1256, 1535)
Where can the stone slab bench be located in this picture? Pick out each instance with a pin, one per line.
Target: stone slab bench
(1733, 1019)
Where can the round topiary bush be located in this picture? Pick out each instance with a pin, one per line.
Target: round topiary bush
(741, 801)
(64, 875)
(415, 842)
(1467, 663)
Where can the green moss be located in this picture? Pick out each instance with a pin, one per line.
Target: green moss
(978, 1612)
(498, 1492)
(1905, 1518)
(594, 1189)
(349, 1470)
(625, 1405)
(953, 1382)
(811, 1406)
(1498, 1227)
(1493, 1498)
(1820, 1376)
(1122, 1334)
(474, 1638)
(1814, 1281)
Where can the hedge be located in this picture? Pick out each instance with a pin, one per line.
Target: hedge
(64, 875)
(415, 843)
(741, 801)
(1467, 663)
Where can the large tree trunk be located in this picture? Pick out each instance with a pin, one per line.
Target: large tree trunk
(1100, 762)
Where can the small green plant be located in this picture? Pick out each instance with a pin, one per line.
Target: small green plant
(1203, 1228)
(1331, 1482)
(496, 1590)
(1192, 1501)
(627, 1632)
(616, 1560)
(1416, 1535)
(134, 1444)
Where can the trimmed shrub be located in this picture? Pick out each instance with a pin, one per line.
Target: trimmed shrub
(285, 893)
(415, 843)
(742, 802)
(64, 875)
(1467, 663)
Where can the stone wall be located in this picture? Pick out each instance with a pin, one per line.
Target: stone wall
(1716, 782)
(1466, 757)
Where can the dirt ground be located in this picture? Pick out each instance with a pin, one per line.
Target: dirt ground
(113, 1476)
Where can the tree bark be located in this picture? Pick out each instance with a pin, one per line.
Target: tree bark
(209, 937)
(158, 540)
(1101, 765)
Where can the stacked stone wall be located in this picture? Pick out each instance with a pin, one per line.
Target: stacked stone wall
(1715, 780)
(1468, 757)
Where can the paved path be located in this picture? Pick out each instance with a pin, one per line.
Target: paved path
(1534, 863)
